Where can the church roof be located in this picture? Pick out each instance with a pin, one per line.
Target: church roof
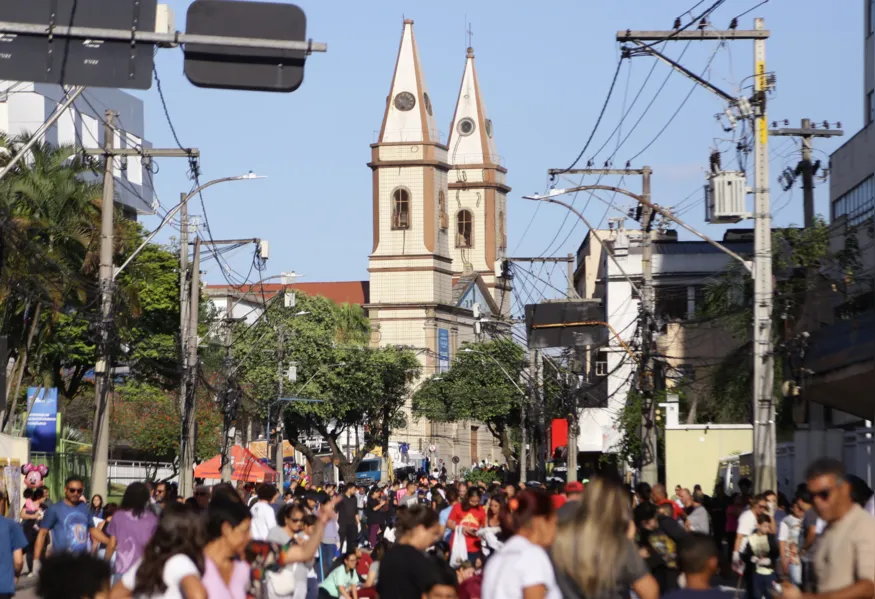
(461, 287)
(470, 140)
(353, 292)
(408, 116)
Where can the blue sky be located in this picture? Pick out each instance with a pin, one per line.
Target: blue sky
(544, 70)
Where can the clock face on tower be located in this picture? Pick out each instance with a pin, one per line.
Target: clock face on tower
(405, 101)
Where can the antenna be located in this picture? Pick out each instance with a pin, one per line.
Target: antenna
(470, 33)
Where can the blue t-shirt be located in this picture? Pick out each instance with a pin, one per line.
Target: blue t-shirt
(69, 526)
(11, 538)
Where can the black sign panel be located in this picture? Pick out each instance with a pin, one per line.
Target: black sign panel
(565, 324)
(78, 61)
(232, 67)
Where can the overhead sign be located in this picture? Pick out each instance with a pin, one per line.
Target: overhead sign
(565, 324)
(42, 422)
(92, 62)
(231, 67)
(443, 350)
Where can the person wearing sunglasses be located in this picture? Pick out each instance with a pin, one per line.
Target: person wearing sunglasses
(844, 561)
(69, 522)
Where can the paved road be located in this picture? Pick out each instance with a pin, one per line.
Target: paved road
(26, 588)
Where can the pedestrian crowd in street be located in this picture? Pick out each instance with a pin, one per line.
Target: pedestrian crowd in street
(430, 538)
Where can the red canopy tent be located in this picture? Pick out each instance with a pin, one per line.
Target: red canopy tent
(245, 466)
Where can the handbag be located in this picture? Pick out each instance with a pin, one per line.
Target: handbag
(282, 582)
(459, 550)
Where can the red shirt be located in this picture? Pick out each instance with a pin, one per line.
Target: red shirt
(558, 501)
(364, 565)
(471, 588)
(475, 518)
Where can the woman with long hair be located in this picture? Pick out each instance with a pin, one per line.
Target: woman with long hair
(491, 535)
(130, 528)
(95, 508)
(522, 569)
(406, 572)
(172, 563)
(593, 555)
(227, 535)
(342, 582)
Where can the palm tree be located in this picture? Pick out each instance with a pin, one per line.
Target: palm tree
(49, 216)
(352, 324)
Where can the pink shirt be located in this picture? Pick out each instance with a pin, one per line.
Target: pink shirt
(215, 584)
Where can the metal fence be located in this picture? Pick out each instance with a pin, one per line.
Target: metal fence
(62, 465)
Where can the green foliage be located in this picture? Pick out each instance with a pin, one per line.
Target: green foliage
(476, 476)
(729, 305)
(630, 448)
(147, 417)
(356, 384)
(479, 386)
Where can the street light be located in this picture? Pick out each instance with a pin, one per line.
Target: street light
(523, 457)
(247, 177)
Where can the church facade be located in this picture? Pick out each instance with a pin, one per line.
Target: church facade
(439, 239)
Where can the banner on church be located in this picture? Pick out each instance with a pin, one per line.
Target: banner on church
(443, 350)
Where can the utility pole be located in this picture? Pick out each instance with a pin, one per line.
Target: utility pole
(228, 401)
(103, 365)
(189, 421)
(765, 470)
(573, 417)
(807, 169)
(280, 450)
(186, 478)
(764, 442)
(649, 449)
(103, 368)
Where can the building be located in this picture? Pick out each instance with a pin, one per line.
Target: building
(439, 238)
(681, 270)
(439, 235)
(841, 315)
(24, 107)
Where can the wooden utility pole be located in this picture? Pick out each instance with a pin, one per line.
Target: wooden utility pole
(103, 364)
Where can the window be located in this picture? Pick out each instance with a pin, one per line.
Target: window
(400, 209)
(464, 229)
(858, 204)
(870, 107)
(442, 209)
(601, 363)
(671, 302)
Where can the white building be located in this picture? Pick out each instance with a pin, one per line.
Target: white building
(681, 269)
(24, 107)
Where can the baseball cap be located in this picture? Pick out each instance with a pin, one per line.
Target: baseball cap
(574, 487)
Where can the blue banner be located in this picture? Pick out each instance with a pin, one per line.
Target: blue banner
(42, 422)
(443, 350)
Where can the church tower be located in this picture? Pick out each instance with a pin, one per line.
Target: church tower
(477, 202)
(410, 262)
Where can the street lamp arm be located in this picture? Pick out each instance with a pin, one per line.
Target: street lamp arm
(173, 212)
(644, 201)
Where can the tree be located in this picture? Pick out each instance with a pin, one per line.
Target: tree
(476, 388)
(355, 384)
(147, 417)
(798, 252)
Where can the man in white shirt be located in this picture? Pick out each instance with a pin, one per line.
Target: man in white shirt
(263, 513)
(747, 524)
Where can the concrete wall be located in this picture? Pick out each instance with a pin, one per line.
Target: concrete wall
(693, 453)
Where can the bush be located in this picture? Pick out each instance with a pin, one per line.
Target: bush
(476, 476)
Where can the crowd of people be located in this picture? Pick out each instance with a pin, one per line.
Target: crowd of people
(436, 539)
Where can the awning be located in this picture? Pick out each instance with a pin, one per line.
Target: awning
(245, 466)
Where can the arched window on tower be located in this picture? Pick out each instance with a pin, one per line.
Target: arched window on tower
(464, 229)
(400, 209)
(442, 209)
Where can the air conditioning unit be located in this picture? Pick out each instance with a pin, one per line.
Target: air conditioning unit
(725, 196)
